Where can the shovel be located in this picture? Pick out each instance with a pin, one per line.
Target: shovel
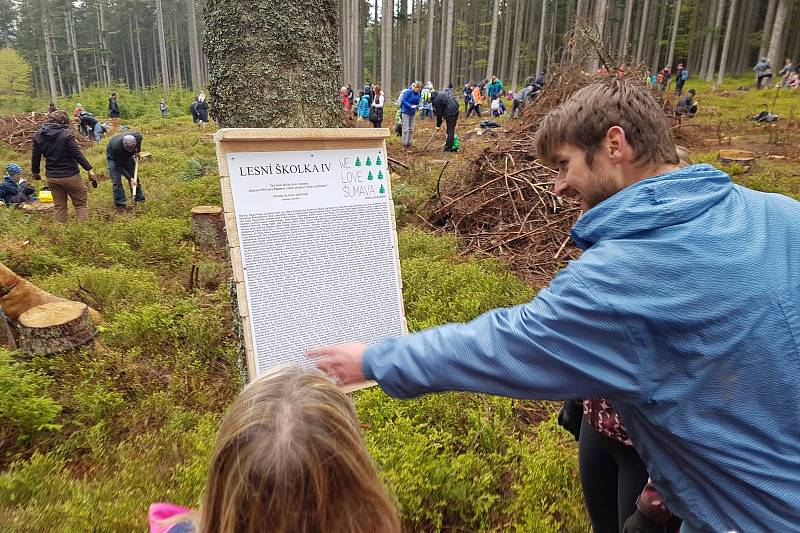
(135, 180)
(429, 140)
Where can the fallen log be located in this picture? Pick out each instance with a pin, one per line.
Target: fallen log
(17, 295)
(55, 327)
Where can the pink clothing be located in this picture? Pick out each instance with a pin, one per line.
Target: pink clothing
(159, 512)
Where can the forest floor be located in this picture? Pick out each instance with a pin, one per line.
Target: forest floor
(88, 439)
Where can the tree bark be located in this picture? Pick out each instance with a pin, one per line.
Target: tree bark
(55, 327)
(674, 37)
(517, 43)
(712, 59)
(642, 31)
(51, 74)
(375, 44)
(162, 45)
(417, 38)
(540, 52)
(256, 80)
(709, 34)
(387, 24)
(139, 50)
(136, 81)
(493, 39)
(506, 40)
(74, 49)
(429, 43)
(776, 41)
(625, 36)
(105, 53)
(448, 45)
(208, 227)
(726, 45)
(662, 15)
(766, 32)
(194, 46)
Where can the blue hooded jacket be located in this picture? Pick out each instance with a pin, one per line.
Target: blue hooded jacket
(684, 310)
(409, 99)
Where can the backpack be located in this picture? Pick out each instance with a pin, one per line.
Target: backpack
(684, 75)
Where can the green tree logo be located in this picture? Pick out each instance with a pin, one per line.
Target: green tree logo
(378, 161)
(358, 162)
(380, 174)
(369, 176)
(369, 162)
(382, 190)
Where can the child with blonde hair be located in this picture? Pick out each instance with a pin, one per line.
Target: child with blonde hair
(289, 457)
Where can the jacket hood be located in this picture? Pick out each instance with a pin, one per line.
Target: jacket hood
(666, 200)
(51, 130)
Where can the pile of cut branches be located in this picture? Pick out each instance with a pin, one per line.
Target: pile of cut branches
(18, 130)
(505, 205)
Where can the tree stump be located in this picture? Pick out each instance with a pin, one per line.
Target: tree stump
(742, 157)
(55, 327)
(37, 207)
(17, 295)
(208, 227)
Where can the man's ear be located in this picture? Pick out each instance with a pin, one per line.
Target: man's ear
(616, 144)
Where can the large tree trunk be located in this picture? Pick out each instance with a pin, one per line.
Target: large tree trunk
(387, 22)
(194, 46)
(709, 34)
(48, 50)
(256, 80)
(448, 45)
(727, 44)
(540, 52)
(674, 37)
(767, 29)
(776, 41)
(429, 43)
(506, 40)
(417, 39)
(642, 33)
(517, 43)
(662, 15)
(162, 46)
(74, 48)
(375, 45)
(139, 51)
(712, 59)
(493, 39)
(136, 81)
(105, 53)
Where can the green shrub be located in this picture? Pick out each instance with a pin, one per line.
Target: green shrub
(25, 407)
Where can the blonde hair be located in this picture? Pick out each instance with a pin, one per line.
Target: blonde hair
(290, 457)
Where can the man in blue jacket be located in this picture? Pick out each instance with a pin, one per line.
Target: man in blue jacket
(408, 108)
(684, 311)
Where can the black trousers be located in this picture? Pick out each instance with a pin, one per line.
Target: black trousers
(450, 124)
(612, 477)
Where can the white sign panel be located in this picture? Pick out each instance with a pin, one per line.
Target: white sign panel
(319, 250)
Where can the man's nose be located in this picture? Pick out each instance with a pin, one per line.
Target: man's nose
(561, 185)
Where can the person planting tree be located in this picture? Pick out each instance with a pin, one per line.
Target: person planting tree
(122, 153)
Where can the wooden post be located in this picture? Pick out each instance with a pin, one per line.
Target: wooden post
(55, 327)
(208, 227)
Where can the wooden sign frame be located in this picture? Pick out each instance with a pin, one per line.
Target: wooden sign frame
(233, 140)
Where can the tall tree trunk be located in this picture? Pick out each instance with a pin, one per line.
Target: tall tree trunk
(727, 43)
(708, 30)
(642, 31)
(136, 81)
(162, 45)
(540, 52)
(625, 36)
(517, 43)
(493, 39)
(776, 41)
(194, 46)
(387, 22)
(448, 45)
(105, 53)
(662, 15)
(139, 50)
(256, 80)
(51, 73)
(402, 38)
(417, 14)
(766, 32)
(712, 59)
(429, 43)
(506, 40)
(674, 37)
(375, 46)
(74, 49)
(59, 77)
(600, 14)
(176, 55)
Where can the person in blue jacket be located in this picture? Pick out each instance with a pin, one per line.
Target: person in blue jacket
(683, 310)
(12, 189)
(408, 108)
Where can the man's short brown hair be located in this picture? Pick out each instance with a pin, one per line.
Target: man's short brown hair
(587, 115)
(58, 117)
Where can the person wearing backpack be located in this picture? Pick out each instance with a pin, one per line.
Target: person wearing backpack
(681, 75)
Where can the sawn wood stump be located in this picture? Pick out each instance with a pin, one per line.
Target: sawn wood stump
(55, 327)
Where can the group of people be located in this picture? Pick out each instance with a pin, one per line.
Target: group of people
(789, 73)
(366, 105)
(56, 143)
(679, 322)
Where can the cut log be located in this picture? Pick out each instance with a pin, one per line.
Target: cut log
(17, 295)
(208, 227)
(55, 327)
(37, 207)
(742, 157)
